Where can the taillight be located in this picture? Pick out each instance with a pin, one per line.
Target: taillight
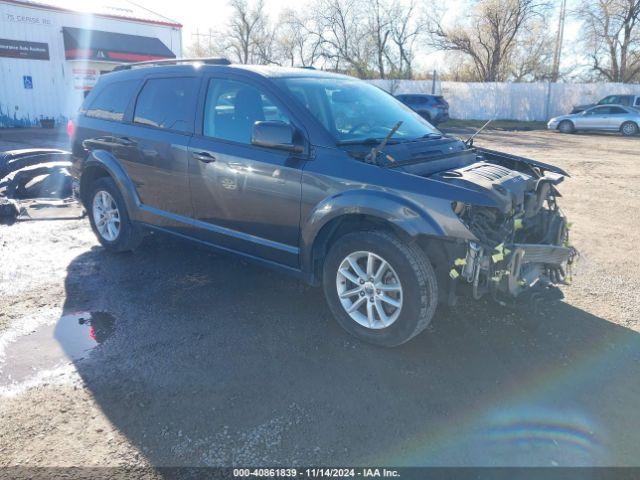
(71, 128)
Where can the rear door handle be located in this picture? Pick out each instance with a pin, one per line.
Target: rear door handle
(205, 157)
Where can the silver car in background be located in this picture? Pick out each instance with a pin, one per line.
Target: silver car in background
(610, 118)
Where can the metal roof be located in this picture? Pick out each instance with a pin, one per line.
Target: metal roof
(119, 9)
(98, 45)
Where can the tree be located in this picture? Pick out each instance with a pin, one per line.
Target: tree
(379, 24)
(341, 27)
(532, 58)
(407, 25)
(612, 35)
(295, 44)
(491, 35)
(248, 35)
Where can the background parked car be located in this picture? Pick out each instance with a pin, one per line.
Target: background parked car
(626, 100)
(433, 108)
(625, 120)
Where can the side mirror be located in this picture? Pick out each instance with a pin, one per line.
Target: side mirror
(275, 134)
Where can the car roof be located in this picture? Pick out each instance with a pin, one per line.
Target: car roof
(624, 107)
(266, 71)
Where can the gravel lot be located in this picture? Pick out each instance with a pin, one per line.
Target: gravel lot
(204, 359)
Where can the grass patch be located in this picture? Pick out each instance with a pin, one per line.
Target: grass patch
(511, 125)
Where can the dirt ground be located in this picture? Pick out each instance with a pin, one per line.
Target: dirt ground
(173, 355)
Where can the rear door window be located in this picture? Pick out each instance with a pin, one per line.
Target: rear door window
(111, 102)
(167, 103)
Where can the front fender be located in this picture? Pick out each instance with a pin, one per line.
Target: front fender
(400, 212)
(105, 161)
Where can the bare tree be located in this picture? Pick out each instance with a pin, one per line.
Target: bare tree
(407, 25)
(341, 26)
(379, 24)
(612, 34)
(532, 58)
(295, 44)
(490, 36)
(248, 36)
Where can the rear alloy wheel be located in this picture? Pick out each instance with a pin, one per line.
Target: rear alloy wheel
(380, 289)
(629, 129)
(566, 126)
(109, 217)
(106, 215)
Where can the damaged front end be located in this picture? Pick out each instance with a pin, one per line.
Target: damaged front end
(522, 251)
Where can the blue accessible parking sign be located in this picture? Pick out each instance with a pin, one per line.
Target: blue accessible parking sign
(28, 82)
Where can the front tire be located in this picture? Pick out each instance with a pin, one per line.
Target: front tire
(566, 126)
(380, 289)
(629, 129)
(109, 217)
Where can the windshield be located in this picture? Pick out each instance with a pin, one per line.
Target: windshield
(354, 111)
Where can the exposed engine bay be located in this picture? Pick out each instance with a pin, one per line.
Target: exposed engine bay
(522, 247)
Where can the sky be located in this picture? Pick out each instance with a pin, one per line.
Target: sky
(200, 16)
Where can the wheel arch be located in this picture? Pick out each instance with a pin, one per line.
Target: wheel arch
(357, 212)
(102, 164)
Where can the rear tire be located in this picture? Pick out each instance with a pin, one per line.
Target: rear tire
(105, 204)
(566, 126)
(629, 129)
(408, 280)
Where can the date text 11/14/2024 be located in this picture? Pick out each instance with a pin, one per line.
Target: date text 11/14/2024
(315, 473)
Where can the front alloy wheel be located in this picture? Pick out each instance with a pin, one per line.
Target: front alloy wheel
(369, 290)
(380, 288)
(106, 215)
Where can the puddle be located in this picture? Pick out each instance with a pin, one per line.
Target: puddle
(72, 337)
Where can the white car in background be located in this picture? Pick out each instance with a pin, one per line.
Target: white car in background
(610, 118)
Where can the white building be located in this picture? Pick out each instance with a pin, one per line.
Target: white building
(52, 51)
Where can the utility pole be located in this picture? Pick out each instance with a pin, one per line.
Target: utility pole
(209, 41)
(557, 53)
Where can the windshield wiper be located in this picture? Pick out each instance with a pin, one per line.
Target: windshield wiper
(359, 141)
(432, 135)
(372, 157)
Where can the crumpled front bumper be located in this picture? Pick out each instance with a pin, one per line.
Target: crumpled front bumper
(511, 271)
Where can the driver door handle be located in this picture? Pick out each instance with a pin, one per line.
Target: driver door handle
(205, 157)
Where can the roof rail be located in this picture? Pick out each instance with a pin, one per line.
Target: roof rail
(174, 61)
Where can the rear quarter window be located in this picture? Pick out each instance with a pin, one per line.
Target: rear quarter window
(111, 101)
